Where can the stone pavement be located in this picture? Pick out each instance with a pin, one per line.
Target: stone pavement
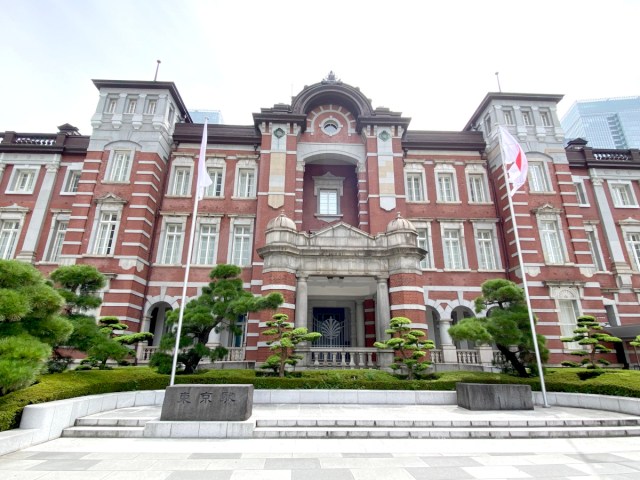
(334, 459)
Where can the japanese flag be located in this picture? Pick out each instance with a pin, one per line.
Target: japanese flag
(514, 159)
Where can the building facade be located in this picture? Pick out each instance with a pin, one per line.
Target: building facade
(340, 206)
(609, 123)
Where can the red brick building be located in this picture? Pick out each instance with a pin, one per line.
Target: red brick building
(339, 206)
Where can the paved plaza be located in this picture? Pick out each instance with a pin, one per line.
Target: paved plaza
(325, 459)
(334, 459)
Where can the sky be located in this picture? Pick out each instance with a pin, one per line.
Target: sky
(434, 61)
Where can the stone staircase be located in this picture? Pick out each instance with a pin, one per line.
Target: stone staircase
(123, 423)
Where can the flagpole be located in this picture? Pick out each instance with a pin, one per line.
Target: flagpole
(525, 286)
(200, 184)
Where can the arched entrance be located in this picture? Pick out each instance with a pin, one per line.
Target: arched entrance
(458, 314)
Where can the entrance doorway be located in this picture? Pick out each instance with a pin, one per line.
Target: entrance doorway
(331, 323)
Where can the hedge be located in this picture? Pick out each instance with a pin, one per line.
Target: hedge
(75, 384)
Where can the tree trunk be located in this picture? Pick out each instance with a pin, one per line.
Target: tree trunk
(513, 359)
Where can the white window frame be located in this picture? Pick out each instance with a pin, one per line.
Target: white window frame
(446, 229)
(509, 117)
(328, 201)
(55, 240)
(594, 247)
(208, 223)
(179, 166)
(545, 118)
(120, 164)
(151, 106)
(481, 229)
(132, 105)
(425, 241)
(538, 177)
(325, 183)
(552, 219)
(568, 325)
(216, 167)
(106, 233)
(415, 184)
(11, 223)
(527, 118)
(246, 167)
(169, 225)
(476, 174)
(111, 105)
(109, 204)
(241, 228)
(73, 171)
(581, 192)
(615, 187)
(443, 171)
(31, 172)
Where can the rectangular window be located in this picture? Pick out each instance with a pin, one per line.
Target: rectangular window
(550, 238)
(172, 243)
(508, 117)
(414, 187)
(486, 250)
(151, 107)
(71, 184)
(215, 189)
(581, 195)
(595, 251)
(567, 318)
(538, 177)
(446, 190)
(111, 105)
(477, 191)
(526, 118)
(120, 166)
(328, 202)
(181, 182)
(8, 237)
(633, 243)
(622, 195)
(132, 103)
(546, 119)
(206, 246)
(57, 238)
(241, 255)
(452, 250)
(24, 181)
(105, 239)
(423, 242)
(487, 124)
(246, 183)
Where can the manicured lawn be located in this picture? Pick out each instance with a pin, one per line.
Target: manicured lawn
(74, 384)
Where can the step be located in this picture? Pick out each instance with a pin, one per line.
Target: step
(439, 433)
(449, 424)
(112, 422)
(104, 432)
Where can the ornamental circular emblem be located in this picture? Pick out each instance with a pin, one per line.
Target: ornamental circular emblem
(384, 136)
(279, 133)
(330, 127)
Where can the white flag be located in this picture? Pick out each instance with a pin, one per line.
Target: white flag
(204, 180)
(514, 159)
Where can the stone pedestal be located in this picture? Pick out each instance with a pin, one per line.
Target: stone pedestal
(480, 396)
(207, 403)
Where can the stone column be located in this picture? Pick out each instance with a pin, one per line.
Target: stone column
(34, 230)
(301, 302)
(449, 351)
(382, 308)
(360, 323)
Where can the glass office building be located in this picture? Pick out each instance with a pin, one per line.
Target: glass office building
(607, 123)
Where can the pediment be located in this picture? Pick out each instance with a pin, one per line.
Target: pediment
(110, 197)
(341, 230)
